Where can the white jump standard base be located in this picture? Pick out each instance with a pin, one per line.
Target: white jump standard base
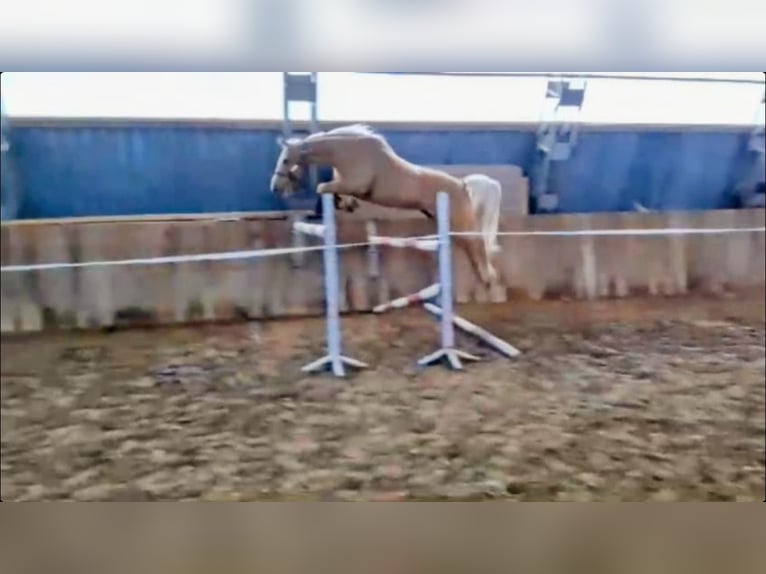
(448, 353)
(450, 356)
(483, 335)
(336, 364)
(334, 360)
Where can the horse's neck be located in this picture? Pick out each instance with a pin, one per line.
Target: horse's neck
(333, 149)
(320, 150)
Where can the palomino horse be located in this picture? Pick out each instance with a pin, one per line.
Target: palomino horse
(366, 167)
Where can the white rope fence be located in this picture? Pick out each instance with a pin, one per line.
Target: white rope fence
(425, 242)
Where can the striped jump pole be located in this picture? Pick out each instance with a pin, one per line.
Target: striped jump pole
(405, 242)
(315, 229)
(334, 360)
(472, 329)
(447, 352)
(401, 302)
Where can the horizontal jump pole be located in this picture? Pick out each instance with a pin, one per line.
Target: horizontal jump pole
(472, 329)
(401, 302)
(315, 229)
(406, 242)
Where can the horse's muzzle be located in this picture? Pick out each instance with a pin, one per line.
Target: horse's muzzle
(274, 187)
(283, 183)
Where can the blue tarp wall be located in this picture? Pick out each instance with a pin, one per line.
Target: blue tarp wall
(129, 169)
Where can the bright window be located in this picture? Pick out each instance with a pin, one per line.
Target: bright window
(347, 96)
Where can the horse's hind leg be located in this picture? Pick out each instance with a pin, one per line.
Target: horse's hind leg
(474, 248)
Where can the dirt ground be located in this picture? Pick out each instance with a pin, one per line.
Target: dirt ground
(658, 400)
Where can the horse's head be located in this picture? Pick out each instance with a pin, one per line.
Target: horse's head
(288, 171)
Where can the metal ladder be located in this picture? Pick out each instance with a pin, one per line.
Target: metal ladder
(556, 138)
(301, 87)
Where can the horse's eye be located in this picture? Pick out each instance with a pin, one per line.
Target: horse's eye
(284, 162)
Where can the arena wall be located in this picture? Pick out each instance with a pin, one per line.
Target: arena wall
(91, 167)
(536, 267)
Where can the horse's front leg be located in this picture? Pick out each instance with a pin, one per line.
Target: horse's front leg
(332, 187)
(344, 198)
(346, 203)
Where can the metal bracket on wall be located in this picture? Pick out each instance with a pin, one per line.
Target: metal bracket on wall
(756, 142)
(556, 137)
(5, 144)
(10, 192)
(751, 187)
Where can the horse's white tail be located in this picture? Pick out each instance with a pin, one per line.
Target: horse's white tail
(486, 198)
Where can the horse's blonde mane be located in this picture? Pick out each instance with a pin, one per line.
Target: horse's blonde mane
(352, 130)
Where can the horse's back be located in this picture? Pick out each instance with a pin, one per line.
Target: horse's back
(439, 178)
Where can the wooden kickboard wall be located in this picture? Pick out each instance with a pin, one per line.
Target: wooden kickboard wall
(537, 267)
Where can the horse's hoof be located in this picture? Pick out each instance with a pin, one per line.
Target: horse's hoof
(490, 278)
(351, 205)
